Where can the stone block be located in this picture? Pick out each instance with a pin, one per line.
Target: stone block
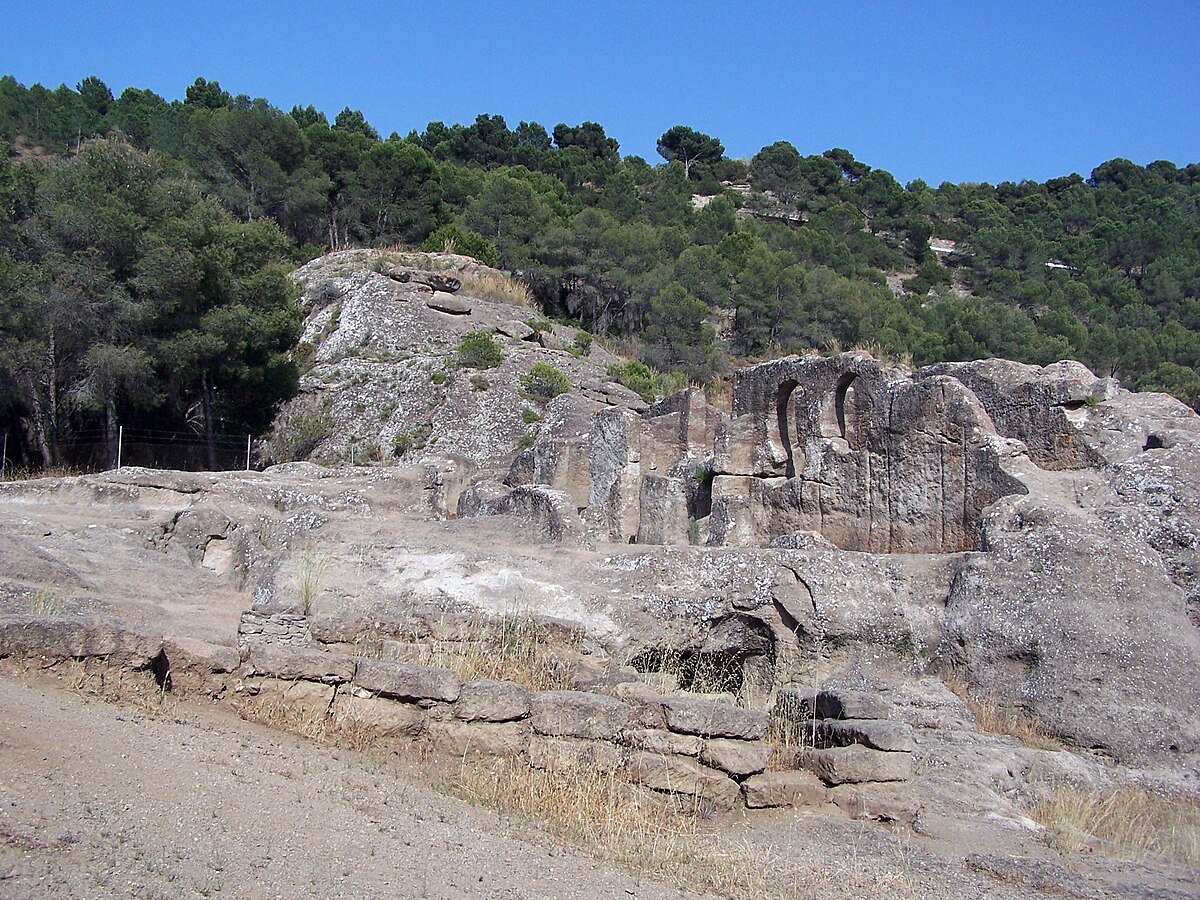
(383, 718)
(564, 754)
(579, 714)
(772, 789)
(712, 719)
(854, 765)
(406, 681)
(492, 701)
(479, 738)
(683, 775)
(58, 638)
(738, 758)
(656, 740)
(878, 734)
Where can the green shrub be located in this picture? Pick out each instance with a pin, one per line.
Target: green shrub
(545, 382)
(456, 239)
(480, 383)
(479, 350)
(583, 341)
(636, 376)
(297, 434)
(527, 440)
(529, 416)
(439, 378)
(410, 440)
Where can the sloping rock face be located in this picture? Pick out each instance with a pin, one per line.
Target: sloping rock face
(870, 458)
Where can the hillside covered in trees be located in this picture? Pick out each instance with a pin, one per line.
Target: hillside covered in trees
(145, 246)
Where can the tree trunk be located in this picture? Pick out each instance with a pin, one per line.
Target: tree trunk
(206, 402)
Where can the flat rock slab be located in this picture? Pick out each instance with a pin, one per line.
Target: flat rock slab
(878, 734)
(892, 803)
(834, 704)
(58, 638)
(658, 741)
(738, 758)
(579, 714)
(518, 330)
(382, 718)
(854, 765)
(492, 701)
(774, 789)
(462, 739)
(406, 681)
(299, 664)
(683, 775)
(708, 718)
(448, 303)
(559, 754)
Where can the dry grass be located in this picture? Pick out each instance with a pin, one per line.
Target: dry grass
(1130, 822)
(995, 717)
(309, 720)
(311, 567)
(513, 647)
(500, 288)
(30, 473)
(612, 820)
(48, 601)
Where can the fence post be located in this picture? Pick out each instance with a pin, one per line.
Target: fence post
(120, 443)
(3, 456)
(247, 453)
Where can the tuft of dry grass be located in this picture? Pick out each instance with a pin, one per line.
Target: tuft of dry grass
(513, 647)
(995, 717)
(1130, 822)
(311, 721)
(500, 288)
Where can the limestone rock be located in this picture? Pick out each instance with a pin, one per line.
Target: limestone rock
(738, 758)
(712, 719)
(461, 739)
(683, 775)
(852, 765)
(492, 701)
(564, 754)
(772, 789)
(578, 714)
(407, 682)
(298, 663)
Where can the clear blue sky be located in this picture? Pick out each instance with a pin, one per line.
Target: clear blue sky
(966, 91)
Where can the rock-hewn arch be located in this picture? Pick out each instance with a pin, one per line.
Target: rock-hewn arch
(784, 417)
(833, 409)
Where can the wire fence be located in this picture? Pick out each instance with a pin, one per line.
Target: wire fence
(98, 450)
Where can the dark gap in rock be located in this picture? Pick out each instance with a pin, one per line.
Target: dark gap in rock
(1153, 442)
(161, 667)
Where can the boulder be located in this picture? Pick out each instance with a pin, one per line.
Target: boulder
(492, 701)
(518, 330)
(200, 656)
(479, 738)
(887, 803)
(55, 638)
(564, 754)
(579, 714)
(853, 765)
(683, 775)
(405, 681)
(378, 717)
(712, 719)
(738, 758)
(873, 733)
(772, 789)
(448, 303)
(299, 664)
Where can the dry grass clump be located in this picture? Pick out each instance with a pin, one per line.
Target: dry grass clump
(1130, 822)
(613, 820)
(312, 721)
(514, 647)
(500, 288)
(996, 717)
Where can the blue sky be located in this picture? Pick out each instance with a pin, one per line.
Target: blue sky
(967, 91)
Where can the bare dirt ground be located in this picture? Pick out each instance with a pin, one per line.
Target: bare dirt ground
(99, 800)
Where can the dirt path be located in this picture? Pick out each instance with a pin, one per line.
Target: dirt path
(98, 800)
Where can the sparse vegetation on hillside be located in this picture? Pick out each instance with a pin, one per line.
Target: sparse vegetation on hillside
(545, 381)
(190, 309)
(479, 350)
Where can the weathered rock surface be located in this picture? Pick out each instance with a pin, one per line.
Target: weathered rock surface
(772, 789)
(297, 663)
(712, 719)
(384, 718)
(54, 639)
(560, 754)
(855, 764)
(492, 701)
(683, 775)
(877, 734)
(463, 739)
(407, 682)
(578, 714)
(738, 758)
